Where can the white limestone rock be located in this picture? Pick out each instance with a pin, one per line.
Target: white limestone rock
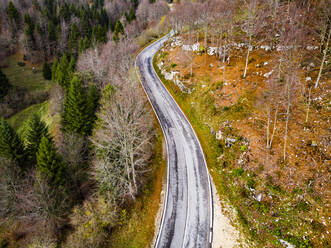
(268, 74)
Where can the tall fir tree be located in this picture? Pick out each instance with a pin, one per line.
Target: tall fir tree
(79, 108)
(100, 34)
(49, 164)
(92, 103)
(61, 72)
(131, 16)
(36, 129)
(119, 29)
(11, 145)
(37, 5)
(73, 39)
(86, 26)
(4, 85)
(84, 44)
(28, 25)
(54, 69)
(47, 72)
(51, 31)
(71, 68)
(75, 114)
(13, 13)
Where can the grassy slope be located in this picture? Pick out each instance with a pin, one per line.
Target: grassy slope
(24, 76)
(232, 183)
(34, 83)
(18, 120)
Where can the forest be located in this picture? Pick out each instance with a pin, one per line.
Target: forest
(77, 147)
(81, 158)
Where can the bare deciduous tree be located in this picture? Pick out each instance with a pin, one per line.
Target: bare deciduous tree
(122, 143)
(290, 42)
(323, 28)
(253, 23)
(273, 99)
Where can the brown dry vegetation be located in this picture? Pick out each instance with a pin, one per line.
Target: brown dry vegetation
(295, 193)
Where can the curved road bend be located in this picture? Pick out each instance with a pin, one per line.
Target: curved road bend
(187, 215)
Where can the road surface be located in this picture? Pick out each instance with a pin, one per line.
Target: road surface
(187, 216)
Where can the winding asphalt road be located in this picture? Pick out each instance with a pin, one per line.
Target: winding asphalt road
(187, 216)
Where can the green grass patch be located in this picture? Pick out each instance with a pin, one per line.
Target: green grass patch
(25, 76)
(18, 120)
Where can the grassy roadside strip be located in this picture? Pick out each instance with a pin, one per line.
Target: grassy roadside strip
(137, 227)
(207, 140)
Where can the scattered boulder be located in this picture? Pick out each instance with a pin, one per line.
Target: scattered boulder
(186, 48)
(168, 76)
(265, 47)
(268, 74)
(286, 244)
(230, 141)
(212, 50)
(219, 135)
(311, 48)
(196, 47)
(258, 197)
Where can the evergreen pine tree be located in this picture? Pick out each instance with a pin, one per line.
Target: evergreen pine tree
(28, 25)
(35, 131)
(84, 44)
(61, 72)
(37, 5)
(64, 12)
(54, 69)
(86, 27)
(131, 16)
(49, 164)
(13, 13)
(79, 108)
(100, 34)
(47, 72)
(92, 103)
(71, 67)
(4, 85)
(51, 31)
(119, 29)
(11, 145)
(28, 31)
(73, 38)
(103, 18)
(75, 116)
